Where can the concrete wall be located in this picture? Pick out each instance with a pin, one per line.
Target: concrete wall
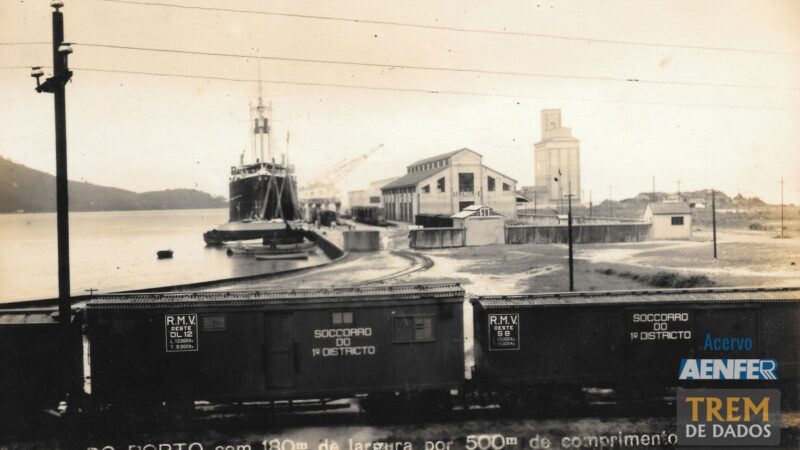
(545, 219)
(581, 234)
(362, 240)
(436, 238)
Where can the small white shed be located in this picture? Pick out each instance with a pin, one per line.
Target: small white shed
(671, 220)
(484, 226)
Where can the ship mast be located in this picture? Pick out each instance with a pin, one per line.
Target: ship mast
(262, 125)
(270, 154)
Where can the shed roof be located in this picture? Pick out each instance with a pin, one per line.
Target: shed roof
(473, 210)
(670, 208)
(413, 178)
(442, 156)
(295, 297)
(645, 297)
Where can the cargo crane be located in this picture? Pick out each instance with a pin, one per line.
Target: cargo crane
(322, 193)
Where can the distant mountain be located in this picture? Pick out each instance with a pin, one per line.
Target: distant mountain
(29, 190)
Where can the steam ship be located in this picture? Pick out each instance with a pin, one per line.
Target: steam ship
(263, 194)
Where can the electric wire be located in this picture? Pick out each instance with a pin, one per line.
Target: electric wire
(433, 68)
(459, 29)
(424, 91)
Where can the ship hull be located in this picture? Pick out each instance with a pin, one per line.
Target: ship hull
(263, 202)
(248, 197)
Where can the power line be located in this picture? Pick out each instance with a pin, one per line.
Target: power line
(435, 68)
(424, 91)
(460, 29)
(26, 43)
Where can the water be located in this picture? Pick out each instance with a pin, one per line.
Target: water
(116, 251)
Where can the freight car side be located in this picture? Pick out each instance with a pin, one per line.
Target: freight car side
(634, 342)
(276, 345)
(30, 360)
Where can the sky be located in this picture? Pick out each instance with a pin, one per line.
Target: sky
(716, 104)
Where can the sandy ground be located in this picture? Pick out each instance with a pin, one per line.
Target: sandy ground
(745, 258)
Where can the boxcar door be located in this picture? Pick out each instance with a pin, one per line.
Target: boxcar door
(279, 358)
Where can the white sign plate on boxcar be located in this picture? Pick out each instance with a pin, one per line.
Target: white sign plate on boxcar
(181, 332)
(503, 331)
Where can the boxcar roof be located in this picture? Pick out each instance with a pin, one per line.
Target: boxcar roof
(645, 297)
(31, 316)
(442, 292)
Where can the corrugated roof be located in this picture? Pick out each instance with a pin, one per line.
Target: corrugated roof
(413, 178)
(670, 208)
(472, 210)
(28, 317)
(442, 156)
(285, 297)
(646, 297)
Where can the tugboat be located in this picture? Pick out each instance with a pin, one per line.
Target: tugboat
(263, 194)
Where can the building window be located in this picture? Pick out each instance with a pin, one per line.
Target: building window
(677, 220)
(490, 184)
(506, 187)
(426, 189)
(215, 323)
(414, 329)
(440, 185)
(342, 318)
(466, 182)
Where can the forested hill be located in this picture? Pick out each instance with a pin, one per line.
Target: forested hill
(29, 190)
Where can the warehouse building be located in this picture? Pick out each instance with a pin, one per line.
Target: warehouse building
(446, 184)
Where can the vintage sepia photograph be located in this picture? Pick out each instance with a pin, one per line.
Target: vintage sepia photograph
(399, 225)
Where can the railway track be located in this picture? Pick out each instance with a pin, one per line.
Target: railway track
(418, 263)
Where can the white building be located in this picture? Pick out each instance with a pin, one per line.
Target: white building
(557, 152)
(370, 196)
(671, 220)
(446, 184)
(483, 225)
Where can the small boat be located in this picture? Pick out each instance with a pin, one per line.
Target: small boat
(300, 255)
(280, 249)
(164, 254)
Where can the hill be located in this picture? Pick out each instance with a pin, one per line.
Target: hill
(30, 190)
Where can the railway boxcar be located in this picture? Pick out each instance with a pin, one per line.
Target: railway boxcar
(275, 345)
(30, 359)
(631, 341)
(371, 215)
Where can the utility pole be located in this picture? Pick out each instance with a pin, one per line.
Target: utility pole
(679, 188)
(610, 203)
(782, 182)
(569, 237)
(590, 203)
(714, 219)
(56, 85)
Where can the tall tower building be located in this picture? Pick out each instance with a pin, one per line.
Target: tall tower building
(557, 152)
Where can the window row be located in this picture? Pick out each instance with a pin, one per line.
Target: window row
(466, 183)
